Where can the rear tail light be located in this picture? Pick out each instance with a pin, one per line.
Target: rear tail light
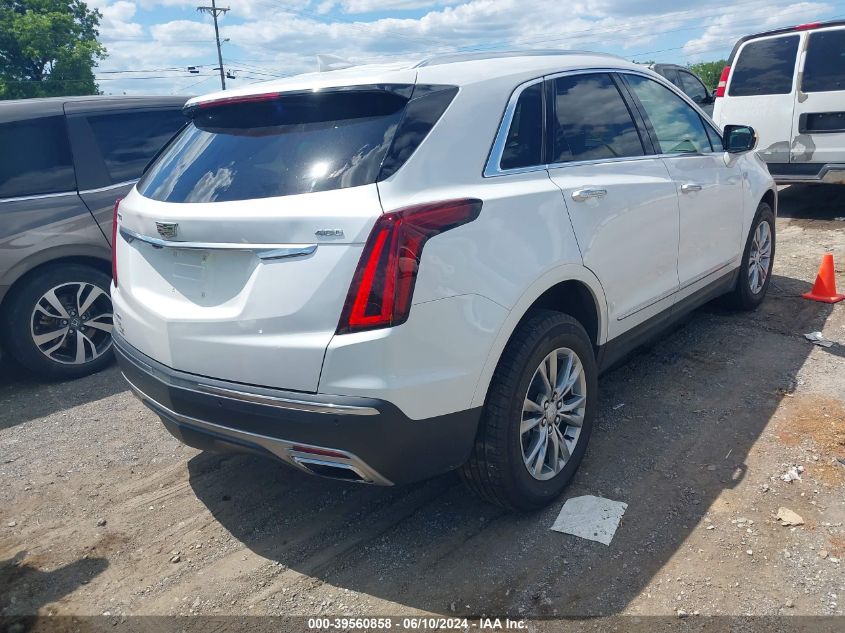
(808, 26)
(723, 82)
(114, 218)
(213, 103)
(383, 286)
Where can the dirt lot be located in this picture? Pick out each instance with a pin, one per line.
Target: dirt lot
(101, 511)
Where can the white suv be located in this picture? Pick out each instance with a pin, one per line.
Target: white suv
(790, 85)
(385, 273)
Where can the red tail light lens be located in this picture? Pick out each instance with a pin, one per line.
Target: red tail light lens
(383, 285)
(723, 82)
(808, 26)
(213, 103)
(114, 218)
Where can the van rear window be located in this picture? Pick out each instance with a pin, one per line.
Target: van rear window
(824, 68)
(290, 144)
(765, 67)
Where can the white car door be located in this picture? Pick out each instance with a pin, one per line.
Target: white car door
(818, 128)
(622, 202)
(709, 182)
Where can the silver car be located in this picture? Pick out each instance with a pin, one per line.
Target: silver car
(64, 163)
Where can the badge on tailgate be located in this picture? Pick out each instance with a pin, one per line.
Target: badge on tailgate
(167, 230)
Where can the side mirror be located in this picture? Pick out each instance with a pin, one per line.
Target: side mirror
(738, 139)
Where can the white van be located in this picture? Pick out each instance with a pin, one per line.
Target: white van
(789, 85)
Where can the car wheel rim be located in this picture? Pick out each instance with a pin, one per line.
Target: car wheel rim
(71, 323)
(553, 413)
(760, 257)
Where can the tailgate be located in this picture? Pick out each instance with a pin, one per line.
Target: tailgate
(254, 292)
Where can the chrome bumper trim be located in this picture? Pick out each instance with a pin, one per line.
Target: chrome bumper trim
(286, 403)
(283, 449)
(264, 251)
(279, 402)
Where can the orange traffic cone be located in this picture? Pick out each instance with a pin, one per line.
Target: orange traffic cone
(825, 286)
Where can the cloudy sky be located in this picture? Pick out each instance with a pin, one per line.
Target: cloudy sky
(152, 42)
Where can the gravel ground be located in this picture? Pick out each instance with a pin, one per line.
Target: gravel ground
(101, 511)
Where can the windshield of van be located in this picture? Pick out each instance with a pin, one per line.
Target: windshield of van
(284, 145)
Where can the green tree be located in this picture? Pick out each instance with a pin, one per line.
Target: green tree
(48, 48)
(710, 72)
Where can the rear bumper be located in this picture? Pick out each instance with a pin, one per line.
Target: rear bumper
(810, 173)
(354, 438)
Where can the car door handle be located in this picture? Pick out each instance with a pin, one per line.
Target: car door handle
(580, 195)
(690, 187)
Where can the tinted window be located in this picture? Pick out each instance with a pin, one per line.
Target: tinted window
(524, 144)
(765, 67)
(715, 138)
(693, 88)
(824, 68)
(677, 126)
(128, 140)
(672, 75)
(297, 143)
(423, 111)
(36, 158)
(592, 121)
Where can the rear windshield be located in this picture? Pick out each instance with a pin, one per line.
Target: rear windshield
(824, 68)
(765, 67)
(296, 143)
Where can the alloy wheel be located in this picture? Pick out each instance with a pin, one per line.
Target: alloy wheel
(760, 257)
(72, 323)
(553, 413)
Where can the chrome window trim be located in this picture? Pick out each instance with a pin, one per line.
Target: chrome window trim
(40, 196)
(493, 169)
(494, 160)
(264, 251)
(107, 187)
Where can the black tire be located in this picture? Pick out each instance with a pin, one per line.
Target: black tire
(743, 297)
(496, 470)
(18, 312)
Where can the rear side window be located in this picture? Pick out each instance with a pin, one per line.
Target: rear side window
(765, 67)
(672, 75)
(592, 121)
(37, 158)
(693, 88)
(824, 67)
(524, 143)
(284, 145)
(676, 125)
(128, 140)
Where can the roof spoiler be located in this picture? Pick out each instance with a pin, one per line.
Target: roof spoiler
(328, 63)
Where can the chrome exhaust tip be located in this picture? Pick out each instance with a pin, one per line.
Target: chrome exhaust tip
(330, 469)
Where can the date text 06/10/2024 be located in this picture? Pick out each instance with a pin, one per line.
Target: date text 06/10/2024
(416, 624)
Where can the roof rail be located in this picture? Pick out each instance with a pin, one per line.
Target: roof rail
(470, 56)
(789, 29)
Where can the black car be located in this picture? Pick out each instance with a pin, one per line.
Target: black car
(689, 83)
(64, 163)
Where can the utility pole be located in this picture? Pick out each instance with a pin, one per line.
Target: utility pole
(214, 10)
